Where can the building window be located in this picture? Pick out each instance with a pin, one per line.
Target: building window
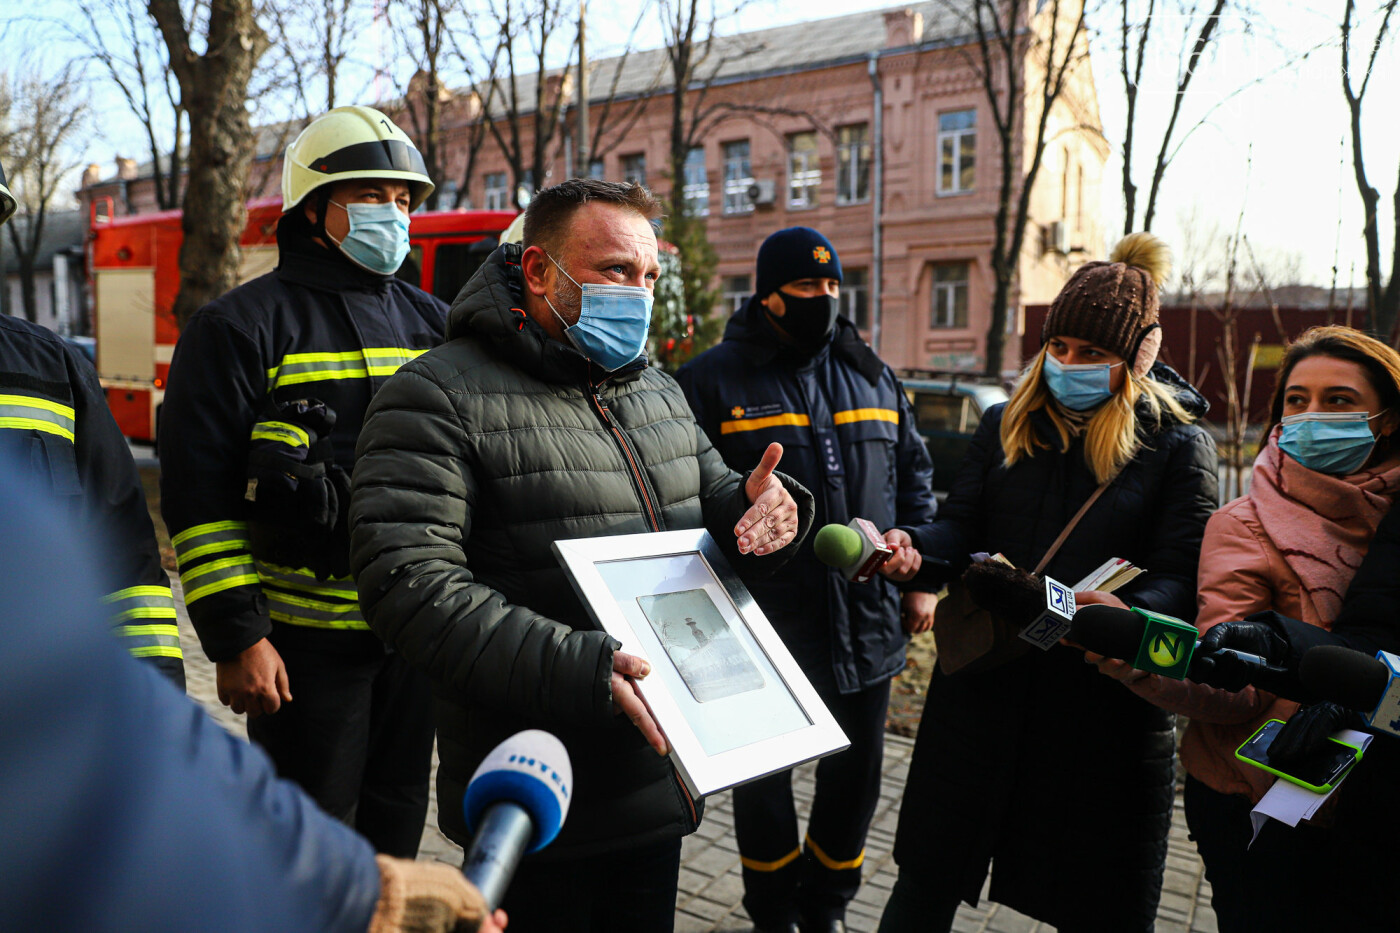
(804, 170)
(957, 151)
(634, 168)
(697, 188)
(738, 176)
(497, 197)
(855, 297)
(446, 194)
(949, 295)
(852, 164)
(734, 292)
(595, 169)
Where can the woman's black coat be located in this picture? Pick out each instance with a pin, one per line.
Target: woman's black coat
(1056, 772)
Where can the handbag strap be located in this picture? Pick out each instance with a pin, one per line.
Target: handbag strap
(1044, 561)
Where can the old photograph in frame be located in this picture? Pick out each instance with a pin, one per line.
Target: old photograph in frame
(733, 703)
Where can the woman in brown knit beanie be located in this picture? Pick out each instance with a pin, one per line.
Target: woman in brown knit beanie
(1058, 779)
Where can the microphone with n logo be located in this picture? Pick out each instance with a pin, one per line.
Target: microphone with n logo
(1160, 644)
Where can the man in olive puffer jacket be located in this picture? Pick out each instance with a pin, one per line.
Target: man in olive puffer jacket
(540, 420)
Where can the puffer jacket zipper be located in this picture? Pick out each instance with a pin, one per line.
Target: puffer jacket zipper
(629, 454)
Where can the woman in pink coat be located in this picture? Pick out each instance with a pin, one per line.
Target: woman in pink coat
(1328, 472)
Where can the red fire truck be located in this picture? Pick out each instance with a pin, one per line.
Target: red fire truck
(134, 263)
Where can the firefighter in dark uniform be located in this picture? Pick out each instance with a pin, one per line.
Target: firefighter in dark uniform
(54, 418)
(268, 388)
(792, 370)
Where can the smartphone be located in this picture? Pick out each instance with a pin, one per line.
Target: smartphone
(1318, 772)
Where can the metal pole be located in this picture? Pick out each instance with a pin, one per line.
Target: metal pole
(877, 203)
(581, 149)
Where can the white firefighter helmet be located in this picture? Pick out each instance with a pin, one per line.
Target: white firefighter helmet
(352, 142)
(7, 200)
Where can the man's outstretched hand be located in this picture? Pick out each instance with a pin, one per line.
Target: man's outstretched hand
(771, 522)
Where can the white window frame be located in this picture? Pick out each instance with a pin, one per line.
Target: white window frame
(849, 163)
(956, 138)
(496, 197)
(851, 293)
(738, 177)
(734, 298)
(948, 290)
(804, 173)
(697, 185)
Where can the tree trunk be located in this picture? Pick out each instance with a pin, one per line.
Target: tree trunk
(28, 293)
(214, 94)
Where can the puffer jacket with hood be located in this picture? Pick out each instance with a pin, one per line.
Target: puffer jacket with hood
(1056, 772)
(473, 460)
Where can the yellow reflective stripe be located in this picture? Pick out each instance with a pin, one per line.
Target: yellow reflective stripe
(42, 404)
(756, 865)
(169, 631)
(295, 610)
(157, 651)
(232, 544)
(866, 414)
(34, 424)
(208, 528)
(228, 572)
(772, 421)
(297, 368)
(147, 612)
(151, 591)
(305, 581)
(830, 862)
(289, 434)
(210, 538)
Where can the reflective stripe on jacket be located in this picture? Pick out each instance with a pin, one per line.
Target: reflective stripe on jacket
(318, 327)
(54, 418)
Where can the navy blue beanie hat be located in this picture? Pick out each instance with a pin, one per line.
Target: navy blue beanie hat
(792, 254)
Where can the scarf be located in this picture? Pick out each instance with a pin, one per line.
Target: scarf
(1321, 524)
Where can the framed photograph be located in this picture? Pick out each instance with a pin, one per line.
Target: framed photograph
(729, 696)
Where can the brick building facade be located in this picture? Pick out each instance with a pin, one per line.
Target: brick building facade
(794, 140)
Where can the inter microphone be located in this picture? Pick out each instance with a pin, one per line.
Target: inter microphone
(1161, 644)
(1371, 686)
(514, 805)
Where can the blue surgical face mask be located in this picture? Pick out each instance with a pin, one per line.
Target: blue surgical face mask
(613, 321)
(1078, 387)
(378, 237)
(1336, 442)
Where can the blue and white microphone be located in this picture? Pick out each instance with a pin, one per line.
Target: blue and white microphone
(514, 805)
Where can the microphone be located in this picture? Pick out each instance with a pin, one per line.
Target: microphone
(1160, 644)
(514, 804)
(1357, 681)
(858, 550)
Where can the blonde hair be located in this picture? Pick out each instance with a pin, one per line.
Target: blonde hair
(1111, 435)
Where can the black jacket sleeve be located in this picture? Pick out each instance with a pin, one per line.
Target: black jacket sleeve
(950, 537)
(137, 591)
(1188, 497)
(217, 379)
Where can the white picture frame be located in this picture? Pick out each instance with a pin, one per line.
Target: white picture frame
(733, 703)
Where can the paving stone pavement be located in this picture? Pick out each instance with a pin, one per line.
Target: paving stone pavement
(710, 883)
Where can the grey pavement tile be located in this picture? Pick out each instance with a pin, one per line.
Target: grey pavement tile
(707, 909)
(727, 889)
(689, 923)
(713, 861)
(692, 882)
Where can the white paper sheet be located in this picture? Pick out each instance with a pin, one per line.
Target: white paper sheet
(1289, 803)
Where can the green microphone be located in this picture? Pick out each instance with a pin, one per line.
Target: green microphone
(858, 550)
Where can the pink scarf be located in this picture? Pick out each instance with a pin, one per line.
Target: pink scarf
(1321, 524)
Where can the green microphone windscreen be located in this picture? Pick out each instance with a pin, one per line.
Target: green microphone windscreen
(837, 546)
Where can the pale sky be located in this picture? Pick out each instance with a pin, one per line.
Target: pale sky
(1291, 122)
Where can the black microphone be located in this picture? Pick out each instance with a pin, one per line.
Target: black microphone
(515, 803)
(1160, 644)
(1371, 686)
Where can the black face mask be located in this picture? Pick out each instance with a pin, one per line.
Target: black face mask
(808, 321)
